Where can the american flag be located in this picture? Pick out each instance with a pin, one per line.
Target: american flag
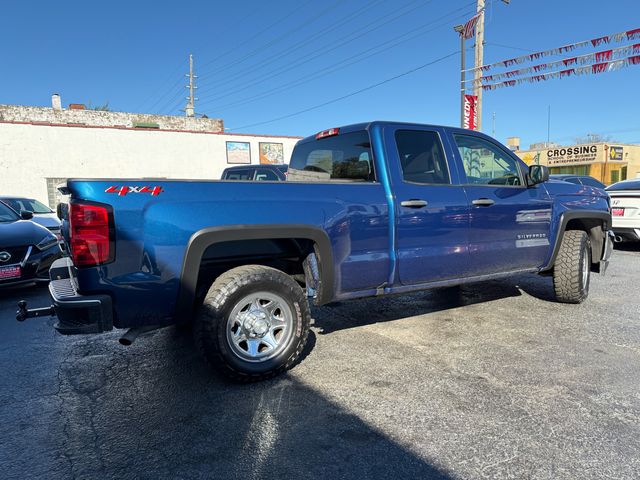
(470, 27)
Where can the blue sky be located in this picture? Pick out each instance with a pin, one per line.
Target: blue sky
(259, 60)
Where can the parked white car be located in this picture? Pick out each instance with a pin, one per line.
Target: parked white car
(625, 209)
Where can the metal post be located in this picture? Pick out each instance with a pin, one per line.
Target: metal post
(462, 79)
(460, 30)
(479, 59)
(190, 108)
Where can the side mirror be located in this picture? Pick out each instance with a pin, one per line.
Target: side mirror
(538, 174)
(26, 215)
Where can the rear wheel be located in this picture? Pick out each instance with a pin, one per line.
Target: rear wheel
(253, 323)
(572, 269)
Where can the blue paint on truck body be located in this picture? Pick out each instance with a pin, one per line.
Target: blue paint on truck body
(377, 245)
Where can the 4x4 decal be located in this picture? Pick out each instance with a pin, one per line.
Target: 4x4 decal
(123, 190)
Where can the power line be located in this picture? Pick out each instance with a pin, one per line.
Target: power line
(403, 74)
(326, 48)
(343, 63)
(509, 47)
(175, 97)
(155, 94)
(258, 50)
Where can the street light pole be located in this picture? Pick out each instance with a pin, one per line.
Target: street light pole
(460, 30)
(479, 58)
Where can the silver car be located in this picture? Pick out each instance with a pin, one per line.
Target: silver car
(42, 214)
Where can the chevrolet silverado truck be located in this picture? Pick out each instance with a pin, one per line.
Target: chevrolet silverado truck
(367, 210)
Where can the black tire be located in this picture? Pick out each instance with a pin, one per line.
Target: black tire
(214, 336)
(572, 270)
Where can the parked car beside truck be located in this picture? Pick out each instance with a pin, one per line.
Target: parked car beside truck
(27, 249)
(367, 210)
(259, 173)
(625, 210)
(42, 215)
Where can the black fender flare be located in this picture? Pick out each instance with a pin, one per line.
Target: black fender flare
(203, 239)
(565, 218)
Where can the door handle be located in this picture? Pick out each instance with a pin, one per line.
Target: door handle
(483, 202)
(414, 203)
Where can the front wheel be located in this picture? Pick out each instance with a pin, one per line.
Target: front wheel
(572, 269)
(253, 323)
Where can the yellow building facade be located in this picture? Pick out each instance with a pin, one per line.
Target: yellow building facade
(606, 162)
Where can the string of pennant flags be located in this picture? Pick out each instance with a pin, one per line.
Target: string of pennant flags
(595, 42)
(589, 58)
(596, 68)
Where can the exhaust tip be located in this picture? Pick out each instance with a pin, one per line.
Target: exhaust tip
(125, 341)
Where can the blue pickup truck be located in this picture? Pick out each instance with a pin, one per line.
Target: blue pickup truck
(367, 210)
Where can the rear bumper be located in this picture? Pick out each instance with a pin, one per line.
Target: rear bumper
(77, 314)
(626, 234)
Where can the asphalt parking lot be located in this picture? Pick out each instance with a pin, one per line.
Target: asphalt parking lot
(493, 381)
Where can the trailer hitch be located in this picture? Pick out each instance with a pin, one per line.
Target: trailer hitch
(23, 312)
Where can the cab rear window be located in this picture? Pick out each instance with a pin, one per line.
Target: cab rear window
(340, 158)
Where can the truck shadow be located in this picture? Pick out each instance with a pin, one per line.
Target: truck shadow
(368, 311)
(627, 246)
(155, 410)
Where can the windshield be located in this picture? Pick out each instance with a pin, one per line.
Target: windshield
(6, 214)
(19, 204)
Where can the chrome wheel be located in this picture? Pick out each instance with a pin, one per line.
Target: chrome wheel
(259, 326)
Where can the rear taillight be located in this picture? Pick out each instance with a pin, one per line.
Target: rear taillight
(91, 234)
(327, 133)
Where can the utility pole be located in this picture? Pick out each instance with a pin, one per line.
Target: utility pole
(189, 110)
(493, 125)
(460, 30)
(479, 59)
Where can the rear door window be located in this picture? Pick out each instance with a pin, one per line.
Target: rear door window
(422, 157)
(340, 158)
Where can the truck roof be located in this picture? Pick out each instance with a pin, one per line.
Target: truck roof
(367, 125)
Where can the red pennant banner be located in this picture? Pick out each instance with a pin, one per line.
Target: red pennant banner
(599, 41)
(631, 34)
(614, 38)
(636, 48)
(596, 68)
(599, 67)
(604, 55)
(570, 61)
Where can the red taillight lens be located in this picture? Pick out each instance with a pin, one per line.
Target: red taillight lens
(91, 234)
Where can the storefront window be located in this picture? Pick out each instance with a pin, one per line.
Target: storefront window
(576, 170)
(615, 176)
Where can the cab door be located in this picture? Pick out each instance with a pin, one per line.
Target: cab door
(432, 208)
(509, 222)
